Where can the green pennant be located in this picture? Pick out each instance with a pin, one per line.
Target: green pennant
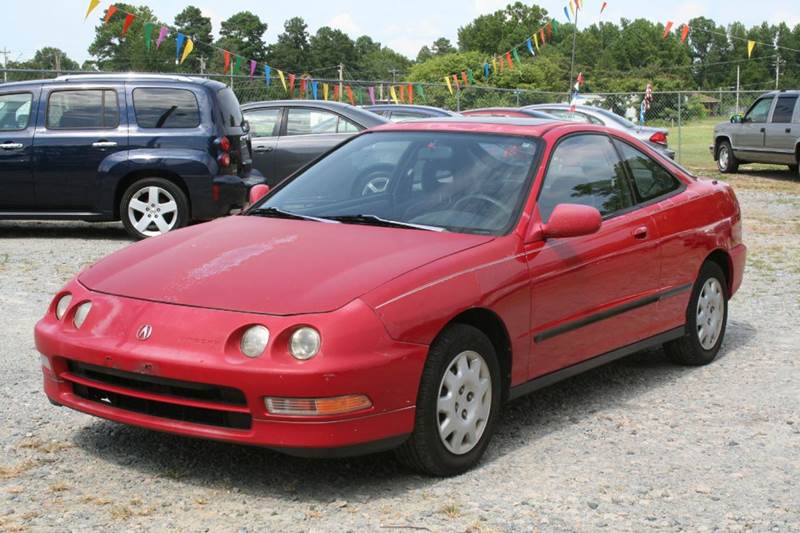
(148, 35)
(360, 95)
(516, 55)
(420, 89)
(554, 22)
(238, 65)
(470, 77)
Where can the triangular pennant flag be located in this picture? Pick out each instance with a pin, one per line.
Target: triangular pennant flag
(566, 14)
(109, 13)
(187, 50)
(420, 90)
(449, 85)
(516, 56)
(283, 80)
(92, 5)
(162, 36)
(393, 94)
(292, 79)
(252, 68)
(508, 58)
(529, 44)
(410, 94)
(127, 24)
(603, 7)
(349, 91)
(536, 40)
(179, 42)
(325, 91)
(541, 36)
(455, 82)
(315, 89)
(750, 46)
(578, 4)
(549, 30)
(360, 95)
(494, 65)
(337, 96)
(464, 78)
(227, 62)
(684, 33)
(572, 7)
(237, 67)
(371, 91)
(148, 35)
(554, 22)
(267, 75)
(486, 71)
(403, 93)
(470, 76)
(667, 28)
(303, 87)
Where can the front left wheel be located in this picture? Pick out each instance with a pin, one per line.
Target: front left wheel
(457, 404)
(152, 207)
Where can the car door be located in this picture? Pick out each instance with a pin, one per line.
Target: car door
(17, 126)
(781, 135)
(748, 137)
(79, 129)
(592, 294)
(264, 127)
(306, 134)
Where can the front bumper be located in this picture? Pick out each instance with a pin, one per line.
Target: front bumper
(171, 382)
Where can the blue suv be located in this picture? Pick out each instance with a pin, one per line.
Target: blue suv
(156, 152)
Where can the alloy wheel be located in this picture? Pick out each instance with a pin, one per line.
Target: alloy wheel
(152, 211)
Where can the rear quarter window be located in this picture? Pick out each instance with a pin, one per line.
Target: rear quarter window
(158, 108)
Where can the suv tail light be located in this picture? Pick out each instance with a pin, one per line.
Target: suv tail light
(659, 137)
(224, 158)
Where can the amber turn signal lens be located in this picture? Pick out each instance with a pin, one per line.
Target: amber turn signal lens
(317, 406)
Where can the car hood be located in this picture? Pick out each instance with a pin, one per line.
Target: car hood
(270, 266)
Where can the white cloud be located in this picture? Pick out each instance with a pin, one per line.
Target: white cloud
(346, 23)
(216, 20)
(488, 6)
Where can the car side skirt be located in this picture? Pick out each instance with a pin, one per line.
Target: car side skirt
(600, 360)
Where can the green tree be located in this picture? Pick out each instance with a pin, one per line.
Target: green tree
(500, 31)
(377, 62)
(330, 47)
(49, 58)
(243, 34)
(193, 24)
(291, 51)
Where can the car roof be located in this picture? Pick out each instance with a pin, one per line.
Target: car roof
(412, 107)
(535, 127)
(364, 117)
(131, 77)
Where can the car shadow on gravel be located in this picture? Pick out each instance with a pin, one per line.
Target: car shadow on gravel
(262, 472)
(112, 231)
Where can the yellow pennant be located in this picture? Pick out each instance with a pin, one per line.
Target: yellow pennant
(187, 49)
(393, 94)
(536, 40)
(447, 80)
(494, 65)
(283, 80)
(750, 46)
(92, 5)
(325, 90)
(572, 7)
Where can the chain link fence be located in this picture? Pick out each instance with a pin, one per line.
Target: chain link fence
(690, 116)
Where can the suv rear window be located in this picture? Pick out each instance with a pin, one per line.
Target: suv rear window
(15, 110)
(166, 108)
(229, 108)
(82, 110)
(784, 109)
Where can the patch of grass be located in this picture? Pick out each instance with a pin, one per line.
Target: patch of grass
(59, 487)
(96, 500)
(451, 511)
(10, 472)
(51, 446)
(692, 143)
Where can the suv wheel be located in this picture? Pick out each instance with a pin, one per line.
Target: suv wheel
(153, 206)
(726, 161)
(457, 404)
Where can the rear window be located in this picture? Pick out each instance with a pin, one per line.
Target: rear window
(166, 108)
(784, 109)
(229, 108)
(15, 110)
(83, 110)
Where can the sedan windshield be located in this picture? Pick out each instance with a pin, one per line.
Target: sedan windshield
(460, 182)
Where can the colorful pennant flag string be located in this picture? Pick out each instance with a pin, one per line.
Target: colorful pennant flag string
(162, 36)
(667, 28)
(92, 6)
(179, 42)
(684, 33)
(127, 24)
(148, 35)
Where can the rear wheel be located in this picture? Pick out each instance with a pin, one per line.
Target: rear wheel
(706, 319)
(152, 207)
(726, 161)
(457, 405)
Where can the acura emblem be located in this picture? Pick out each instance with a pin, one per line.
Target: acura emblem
(144, 332)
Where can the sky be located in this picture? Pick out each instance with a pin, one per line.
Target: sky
(404, 26)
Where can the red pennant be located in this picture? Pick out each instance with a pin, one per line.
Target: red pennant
(127, 24)
(292, 79)
(303, 87)
(541, 34)
(336, 92)
(227, 62)
(403, 93)
(684, 33)
(549, 28)
(464, 77)
(349, 91)
(455, 79)
(410, 94)
(509, 60)
(667, 28)
(109, 13)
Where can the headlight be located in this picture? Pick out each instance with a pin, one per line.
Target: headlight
(304, 343)
(62, 305)
(254, 341)
(81, 313)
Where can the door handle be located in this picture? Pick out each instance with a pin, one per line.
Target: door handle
(264, 148)
(11, 146)
(788, 130)
(640, 233)
(104, 144)
(762, 130)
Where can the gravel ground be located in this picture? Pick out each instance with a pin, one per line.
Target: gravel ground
(636, 445)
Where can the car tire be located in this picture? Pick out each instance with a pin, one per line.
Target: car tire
(706, 320)
(794, 169)
(432, 449)
(726, 161)
(152, 207)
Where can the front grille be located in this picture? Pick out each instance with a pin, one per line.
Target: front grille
(155, 385)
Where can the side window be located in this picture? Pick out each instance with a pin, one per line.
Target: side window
(82, 110)
(345, 126)
(263, 122)
(650, 179)
(569, 115)
(15, 111)
(586, 170)
(303, 121)
(784, 109)
(760, 111)
(166, 108)
(397, 116)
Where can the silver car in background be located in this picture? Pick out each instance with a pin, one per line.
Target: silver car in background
(655, 137)
(768, 133)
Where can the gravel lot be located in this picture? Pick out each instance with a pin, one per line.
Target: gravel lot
(637, 444)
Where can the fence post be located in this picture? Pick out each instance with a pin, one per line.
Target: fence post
(458, 99)
(517, 94)
(680, 128)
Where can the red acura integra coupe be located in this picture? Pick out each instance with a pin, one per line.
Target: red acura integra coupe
(397, 291)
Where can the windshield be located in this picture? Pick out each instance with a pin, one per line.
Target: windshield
(460, 182)
(616, 118)
(229, 108)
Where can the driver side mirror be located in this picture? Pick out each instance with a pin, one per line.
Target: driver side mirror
(737, 119)
(572, 220)
(257, 192)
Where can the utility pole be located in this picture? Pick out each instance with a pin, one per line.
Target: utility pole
(341, 80)
(394, 75)
(738, 73)
(5, 51)
(777, 70)
(203, 60)
(57, 62)
(572, 61)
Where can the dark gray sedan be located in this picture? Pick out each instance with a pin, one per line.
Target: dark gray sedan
(287, 134)
(400, 112)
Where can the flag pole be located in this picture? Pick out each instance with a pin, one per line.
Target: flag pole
(572, 61)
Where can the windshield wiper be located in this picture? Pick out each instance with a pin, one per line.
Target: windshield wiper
(274, 212)
(372, 220)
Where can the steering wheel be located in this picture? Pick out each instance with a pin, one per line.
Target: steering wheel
(482, 198)
(373, 180)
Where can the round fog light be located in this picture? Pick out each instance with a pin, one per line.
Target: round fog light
(63, 305)
(81, 313)
(254, 341)
(305, 343)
